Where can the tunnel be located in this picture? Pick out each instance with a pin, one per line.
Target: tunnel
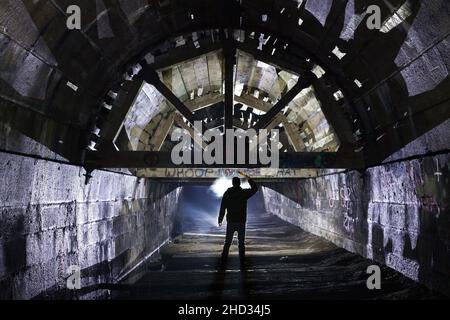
(123, 123)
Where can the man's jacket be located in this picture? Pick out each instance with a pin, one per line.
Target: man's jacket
(235, 202)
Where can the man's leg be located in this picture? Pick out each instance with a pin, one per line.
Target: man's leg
(228, 241)
(241, 238)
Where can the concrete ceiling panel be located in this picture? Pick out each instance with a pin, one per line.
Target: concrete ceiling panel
(215, 67)
(23, 71)
(133, 9)
(319, 9)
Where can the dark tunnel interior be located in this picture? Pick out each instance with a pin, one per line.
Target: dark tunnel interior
(274, 248)
(124, 122)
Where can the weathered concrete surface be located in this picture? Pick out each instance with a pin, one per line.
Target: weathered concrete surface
(49, 220)
(396, 214)
(434, 140)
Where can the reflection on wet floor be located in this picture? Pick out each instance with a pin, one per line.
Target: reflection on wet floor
(284, 262)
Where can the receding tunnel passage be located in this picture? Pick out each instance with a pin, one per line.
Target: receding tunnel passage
(283, 262)
(126, 127)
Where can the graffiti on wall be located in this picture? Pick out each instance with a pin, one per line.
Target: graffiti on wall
(188, 173)
(350, 223)
(430, 204)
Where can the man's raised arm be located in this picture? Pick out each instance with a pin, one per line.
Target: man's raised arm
(253, 187)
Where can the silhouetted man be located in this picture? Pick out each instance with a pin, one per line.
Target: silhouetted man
(235, 202)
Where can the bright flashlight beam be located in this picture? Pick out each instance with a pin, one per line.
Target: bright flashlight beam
(221, 185)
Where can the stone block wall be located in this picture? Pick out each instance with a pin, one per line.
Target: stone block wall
(396, 214)
(50, 220)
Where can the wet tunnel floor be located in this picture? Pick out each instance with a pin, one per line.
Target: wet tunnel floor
(284, 262)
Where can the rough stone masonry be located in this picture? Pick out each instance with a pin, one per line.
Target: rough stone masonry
(396, 214)
(50, 220)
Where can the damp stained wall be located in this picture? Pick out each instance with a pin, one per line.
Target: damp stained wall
(396, 214)
(50, 220)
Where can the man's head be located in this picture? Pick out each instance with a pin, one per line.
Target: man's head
(236, 182)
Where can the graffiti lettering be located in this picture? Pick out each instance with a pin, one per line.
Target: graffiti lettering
(331, 203)
(430, 204)
(345, 192)
(221, 172)
(350, 223)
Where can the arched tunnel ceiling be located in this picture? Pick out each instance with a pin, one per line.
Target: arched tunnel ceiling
(391, 84)
(199, 84)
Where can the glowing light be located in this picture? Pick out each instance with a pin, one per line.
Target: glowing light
(221, 185)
